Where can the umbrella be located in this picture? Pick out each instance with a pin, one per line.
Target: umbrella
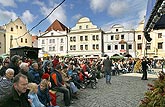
(127, 55)
(117, 57)
(3, 56)
(67, 56)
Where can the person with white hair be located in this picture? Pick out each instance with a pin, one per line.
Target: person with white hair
(6, 83)
(24, 68)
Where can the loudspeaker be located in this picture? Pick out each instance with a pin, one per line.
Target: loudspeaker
(147, 36)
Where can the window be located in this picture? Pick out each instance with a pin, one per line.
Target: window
(112, 37)
(81, 47)
(159, 35)
(21, 40)
(71, 39)
(11, 28)
(25, 40)
(117, 37)
(43, 49)
(160, 45)
(50, 48)
(122, 36)
(43, 41)
(53, 48)
(50, 40)
(71, 48)
(129, 46)
(74, 39)
(80, 27)
(93, 37)
(86, 38)
(97, 37)
(52, 34)
(117, 30)
(11, 37)
(122, 46)
(94, 46)
(62, 40)
(139, 37)
(81, 38)
(109, 47)
(0, 44)
(148, 46)
(20, 27)
(16, 26)
(86, 26)
(139, 46)
(86, 47)
(116, 47)
(74, 47)
(61, 48)
(97, 46)
(53, 40)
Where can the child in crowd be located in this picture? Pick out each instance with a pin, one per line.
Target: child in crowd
(33, 87)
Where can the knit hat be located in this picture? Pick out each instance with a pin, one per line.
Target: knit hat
(45, 76)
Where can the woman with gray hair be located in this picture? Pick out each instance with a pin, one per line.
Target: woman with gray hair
(24, 68)
(6, 83)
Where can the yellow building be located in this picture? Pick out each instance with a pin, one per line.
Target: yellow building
(14, 34)
(140, 40)
(153, 49)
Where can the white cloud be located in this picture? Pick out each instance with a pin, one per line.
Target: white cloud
(118, 8)
(77, 16)
(22, 0)
(27, 17)
(126, 13)
(98, 5)
(59, 13)
(141, 14)
(39, 3)
(6, 16)
(10, 3)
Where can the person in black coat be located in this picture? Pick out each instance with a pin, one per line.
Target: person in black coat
(144, 69)
(107, 67)
(19, 93)
(14, 64)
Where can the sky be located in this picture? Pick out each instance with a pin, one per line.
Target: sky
(103, 13)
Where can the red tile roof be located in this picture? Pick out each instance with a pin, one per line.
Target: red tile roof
(57, 25)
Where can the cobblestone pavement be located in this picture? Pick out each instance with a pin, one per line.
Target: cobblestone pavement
(126, 90)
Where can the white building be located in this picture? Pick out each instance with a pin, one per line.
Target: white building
(54, 40)
(85, 39)
(119, 41)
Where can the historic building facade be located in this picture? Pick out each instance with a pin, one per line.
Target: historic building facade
(119, 41)
(13, 35)
(153, 49)
(54, 40)
(85, 39)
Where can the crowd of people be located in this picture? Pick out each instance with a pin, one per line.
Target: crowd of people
(34, 83)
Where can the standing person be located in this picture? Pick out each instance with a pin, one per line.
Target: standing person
(18, 96)
(107, 64)
(144, 69)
